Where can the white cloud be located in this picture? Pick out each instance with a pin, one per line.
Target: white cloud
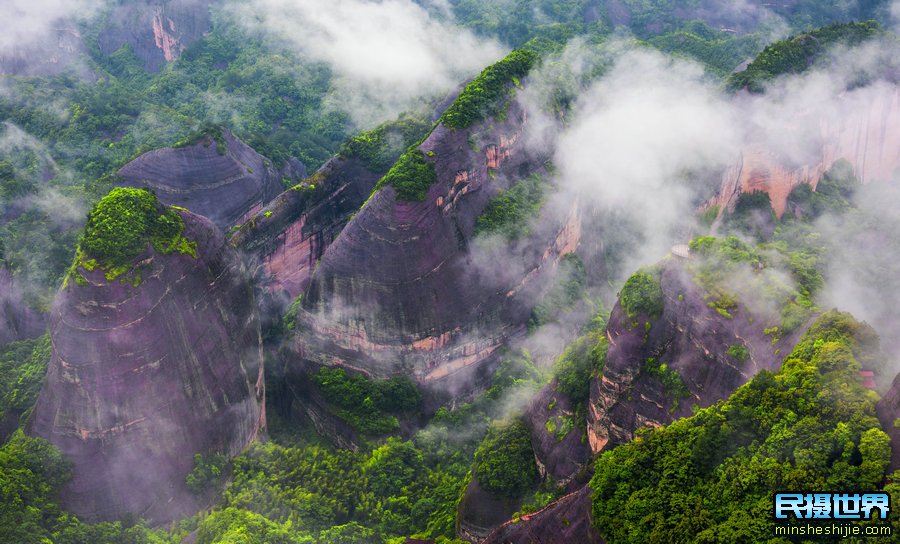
(640, 141)
(385, 54)
(28, 22)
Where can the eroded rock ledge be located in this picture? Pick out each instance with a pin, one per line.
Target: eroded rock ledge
(146, 374)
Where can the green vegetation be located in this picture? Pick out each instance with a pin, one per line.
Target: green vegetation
(560, 426)
(395, 489)
(799, 52)
(120, 227)
(504, 462)
(710, 477)
(510, 212)
(410, 176)
(568, 289)
(207, 472)
(289, 321)
(207, 134)
(370, 406)
(582, 360)
(484, 96)
(670, 379)
(738, 352)
(733, 271)
(832, 194)
(379, 148)
(642, 295)
(23, 365)
(233, 525)
(753, 215)
(721, 53)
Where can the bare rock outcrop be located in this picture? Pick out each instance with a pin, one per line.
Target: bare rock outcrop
(146, 373)
(559, 448)
(225, 181)
(156, 31)
(397, 290)
(690, 338)
(17, 320)
(479, 512)
(866, 134)
(287, 238)
(888, 413)
(565, 520)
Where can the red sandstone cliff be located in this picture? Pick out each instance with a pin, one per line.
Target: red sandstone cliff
(396, 290)
(867, 135)
(143, 377)
(225, 182)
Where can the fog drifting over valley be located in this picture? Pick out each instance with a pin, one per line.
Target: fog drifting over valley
(386, 56)
(646, 144)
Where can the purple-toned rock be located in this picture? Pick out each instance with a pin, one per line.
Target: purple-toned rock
(17, 320)
(398, 291)
(889, 413)
(155, 31)
(287, 238)
(560, 448)
(225, 181)
(566, 520)
(479, 512)
(691, 339)
(147, 372)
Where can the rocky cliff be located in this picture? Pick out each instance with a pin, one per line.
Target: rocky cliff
(888, 413)
(398, 290)
(156, 32)
(218, 176)
(147, 370)
(867, 134)
(288, 237)
(692, 340)
(479, 512)
(565, 520)
(559, 456)
(17, 320)
(54, 53)
(562, 458)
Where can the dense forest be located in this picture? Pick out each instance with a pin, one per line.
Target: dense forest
(420, 456)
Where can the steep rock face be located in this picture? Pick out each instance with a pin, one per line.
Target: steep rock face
(17, 320)
(565, 520)
(888, 412)
(867, 135)
(288, 237)
(561, 458)
(689, 338)
(224, 187)
(396, 290)
(479, 512)
(558, 458)
(157, 31)
(143, 377)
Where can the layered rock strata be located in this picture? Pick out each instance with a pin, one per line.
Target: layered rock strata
(399, 290)
(866, 133)
(145, 374)
(690, 338)
(226, 182)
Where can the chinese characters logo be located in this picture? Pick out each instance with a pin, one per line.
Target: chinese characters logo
(831, 506)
